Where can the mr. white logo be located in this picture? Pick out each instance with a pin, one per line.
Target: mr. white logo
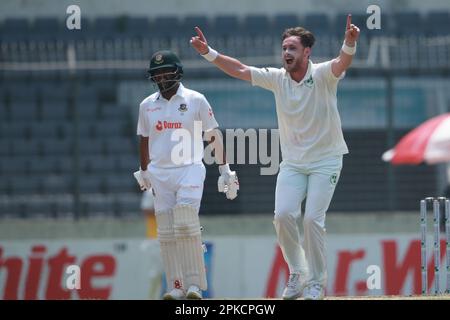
(168, 125)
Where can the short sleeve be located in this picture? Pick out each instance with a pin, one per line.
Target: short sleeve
(323, 71)
(142, 126)
(264, 77)
(206, 115)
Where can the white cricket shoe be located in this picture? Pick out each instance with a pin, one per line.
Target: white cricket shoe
(174, 294)
(294, 287)
(194, 293)
(313, 292)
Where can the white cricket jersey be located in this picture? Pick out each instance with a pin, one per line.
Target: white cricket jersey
(168, 123)
(308, 118)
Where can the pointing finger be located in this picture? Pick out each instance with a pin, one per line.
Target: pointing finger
(200, 34)
(349, 21)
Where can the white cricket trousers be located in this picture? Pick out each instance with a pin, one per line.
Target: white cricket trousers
(177, 186)
(316, 182)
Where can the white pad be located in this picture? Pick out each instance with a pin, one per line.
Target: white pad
(167, 241)
(189, 244)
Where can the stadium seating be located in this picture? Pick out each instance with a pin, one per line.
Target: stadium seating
(38, 109)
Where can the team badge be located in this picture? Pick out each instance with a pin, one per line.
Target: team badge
(334, 178)
(159, 59)
(183, 107)
(309, 82)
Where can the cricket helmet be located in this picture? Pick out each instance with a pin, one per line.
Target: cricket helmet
(165, 59)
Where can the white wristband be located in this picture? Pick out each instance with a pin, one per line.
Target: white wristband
(211, 55)
(348, 50)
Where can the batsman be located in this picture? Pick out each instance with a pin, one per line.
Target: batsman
(312, 145)
(171, 125)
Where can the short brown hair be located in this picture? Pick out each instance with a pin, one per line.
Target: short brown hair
(306, 37)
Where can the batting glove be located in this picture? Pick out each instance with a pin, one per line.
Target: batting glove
(228, 182)
(143, 179)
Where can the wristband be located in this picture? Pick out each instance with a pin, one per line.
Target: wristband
(225, 168)
(211, 55)
(348, 50)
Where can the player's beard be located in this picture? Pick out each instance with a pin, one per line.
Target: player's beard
(295, 65)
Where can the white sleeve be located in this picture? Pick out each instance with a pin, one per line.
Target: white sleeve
(323, 71)
(264, 77)
(142, 126)
(206, 114)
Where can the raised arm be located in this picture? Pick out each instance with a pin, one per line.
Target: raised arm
(229, 65)
(341, 63)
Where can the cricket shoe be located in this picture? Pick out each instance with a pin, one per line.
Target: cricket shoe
(313, 292)
(194, 293)
(174, 294)
(294, 287)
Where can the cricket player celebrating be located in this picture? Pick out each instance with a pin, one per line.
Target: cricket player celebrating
(170, 126)
(312, 146)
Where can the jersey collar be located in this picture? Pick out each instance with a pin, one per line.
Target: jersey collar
(306, 77)
(180, 92)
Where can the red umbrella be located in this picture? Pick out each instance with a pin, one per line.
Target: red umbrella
(429, 142)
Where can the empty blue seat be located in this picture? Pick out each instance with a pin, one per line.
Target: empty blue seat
(22, 93)
(91, 184)
(51, 91)
(318, 24)
(129, 205)
(39, 208)
(225, 26)
(15, 165)
(4, 113)
(121, 183)
(85, 129)
(92, 147)
(87, 110)
(25, 112)
(26, 185)
(86, 94)
(191, 21)
(55, 111)
(166, 27)
(113, 111)
(256, 25)
(110, 128)
(5, 148)
(53, 147)
(97, 206)
(26, 147)
(56, 184)
(44, 165)
(284, 21)
(43, 130)
(94, 164)
(137, 26)
(120, 145)
(15, 29)
(408, 23)
(14, 130)
(437, 23)
(46, 28)
(128, 162)
(106, 25)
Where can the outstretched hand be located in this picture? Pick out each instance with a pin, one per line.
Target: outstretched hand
(199, 42)
(351, 32)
